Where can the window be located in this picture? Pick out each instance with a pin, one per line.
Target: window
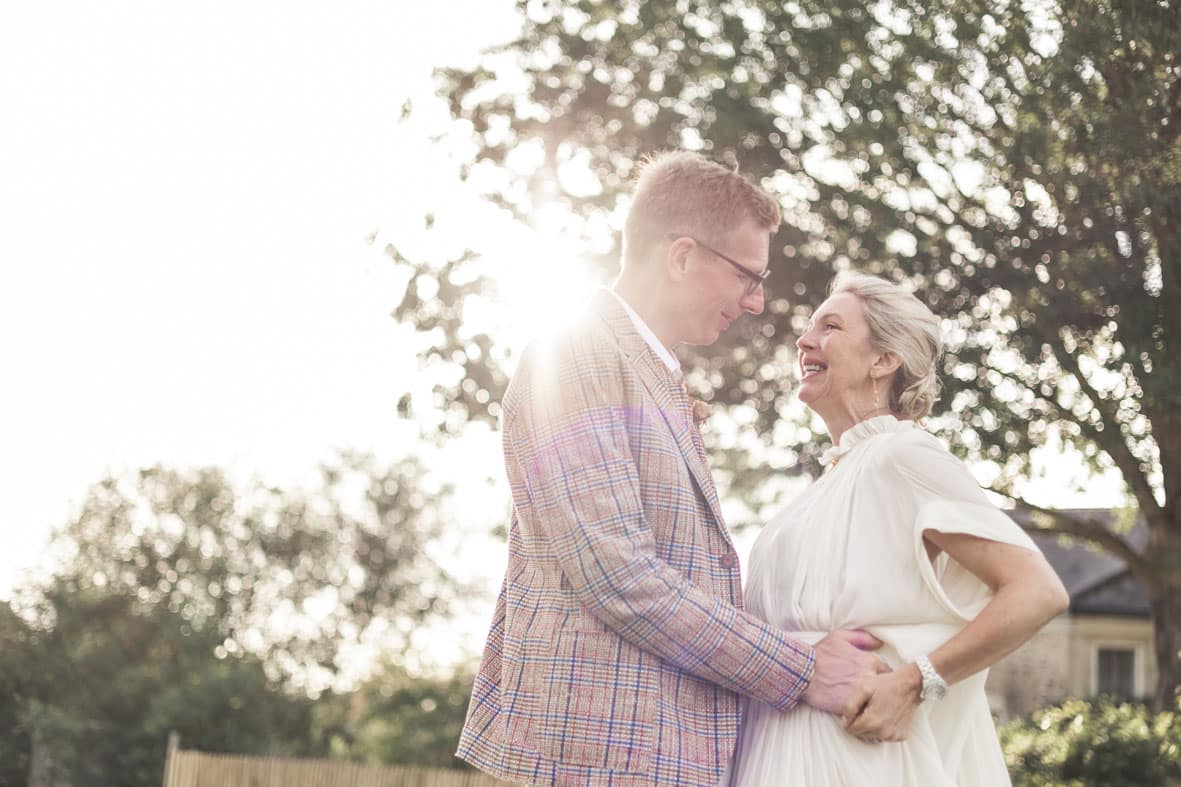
(1117, 672)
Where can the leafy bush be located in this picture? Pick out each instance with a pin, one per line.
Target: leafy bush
(408, 720)
(1095, 743)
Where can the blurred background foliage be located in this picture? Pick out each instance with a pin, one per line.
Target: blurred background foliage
(229, 613)
(1094, 744)
(411, 719)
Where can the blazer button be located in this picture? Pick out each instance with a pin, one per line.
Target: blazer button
(728, 560)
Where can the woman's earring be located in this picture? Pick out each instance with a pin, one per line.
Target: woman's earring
(877, 403)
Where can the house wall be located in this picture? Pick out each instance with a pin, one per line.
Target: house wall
(1061, 661)
(1035, 675)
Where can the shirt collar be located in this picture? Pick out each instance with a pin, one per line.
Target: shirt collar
(645, 332)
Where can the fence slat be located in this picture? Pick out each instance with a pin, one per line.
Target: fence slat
(191, 768)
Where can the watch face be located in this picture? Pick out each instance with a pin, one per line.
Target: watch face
(933, 690)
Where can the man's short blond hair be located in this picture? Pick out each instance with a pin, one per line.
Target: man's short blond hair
(685, 193)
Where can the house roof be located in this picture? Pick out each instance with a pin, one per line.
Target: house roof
(1098, 583)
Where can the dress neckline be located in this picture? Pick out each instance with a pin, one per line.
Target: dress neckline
(860, 432)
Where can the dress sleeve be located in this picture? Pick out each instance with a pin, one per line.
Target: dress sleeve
(948, 500)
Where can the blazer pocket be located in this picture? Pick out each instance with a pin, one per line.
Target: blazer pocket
(600, 698)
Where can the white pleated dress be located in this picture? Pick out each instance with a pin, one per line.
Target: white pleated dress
(849, 554)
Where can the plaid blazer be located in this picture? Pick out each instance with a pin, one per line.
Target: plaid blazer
(618, 647)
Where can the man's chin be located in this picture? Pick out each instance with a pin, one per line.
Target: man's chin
(704, 340)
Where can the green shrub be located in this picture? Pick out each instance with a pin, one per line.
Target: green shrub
(1094, 743)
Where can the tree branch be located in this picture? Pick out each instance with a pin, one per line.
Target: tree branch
(1035, 389)
(1109, 438)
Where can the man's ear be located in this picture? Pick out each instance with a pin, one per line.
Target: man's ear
(676, 259)
(885, 365)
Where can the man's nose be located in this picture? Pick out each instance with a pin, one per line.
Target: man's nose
(754, 302)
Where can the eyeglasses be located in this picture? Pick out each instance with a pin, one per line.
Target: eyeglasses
(753, 280)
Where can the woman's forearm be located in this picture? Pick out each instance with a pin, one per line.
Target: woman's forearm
(1019, 608)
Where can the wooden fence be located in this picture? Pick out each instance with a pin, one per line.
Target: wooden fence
(199, 769)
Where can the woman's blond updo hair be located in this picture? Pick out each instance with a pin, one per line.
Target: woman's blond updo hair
(901, 324)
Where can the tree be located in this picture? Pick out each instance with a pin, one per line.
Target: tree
(286, 575)
(116, 676)
(409, 720)
(17, 673)
(182, 601)
(1018, 164)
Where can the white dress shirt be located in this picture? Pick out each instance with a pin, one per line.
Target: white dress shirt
(642, 328)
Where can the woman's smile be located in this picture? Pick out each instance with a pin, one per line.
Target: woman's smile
(810, 368)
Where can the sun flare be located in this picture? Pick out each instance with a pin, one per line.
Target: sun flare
(541, 284)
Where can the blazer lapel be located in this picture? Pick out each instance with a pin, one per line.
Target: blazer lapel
(657, 378)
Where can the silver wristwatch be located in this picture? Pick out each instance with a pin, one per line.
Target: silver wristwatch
(934, 686)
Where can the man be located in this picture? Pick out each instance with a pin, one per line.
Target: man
(619, 648)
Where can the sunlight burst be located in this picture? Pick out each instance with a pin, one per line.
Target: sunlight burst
(542, 283)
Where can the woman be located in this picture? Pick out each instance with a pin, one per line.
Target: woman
(895, 538)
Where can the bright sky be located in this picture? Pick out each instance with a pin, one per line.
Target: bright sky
(185, 197)
(186, 193)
